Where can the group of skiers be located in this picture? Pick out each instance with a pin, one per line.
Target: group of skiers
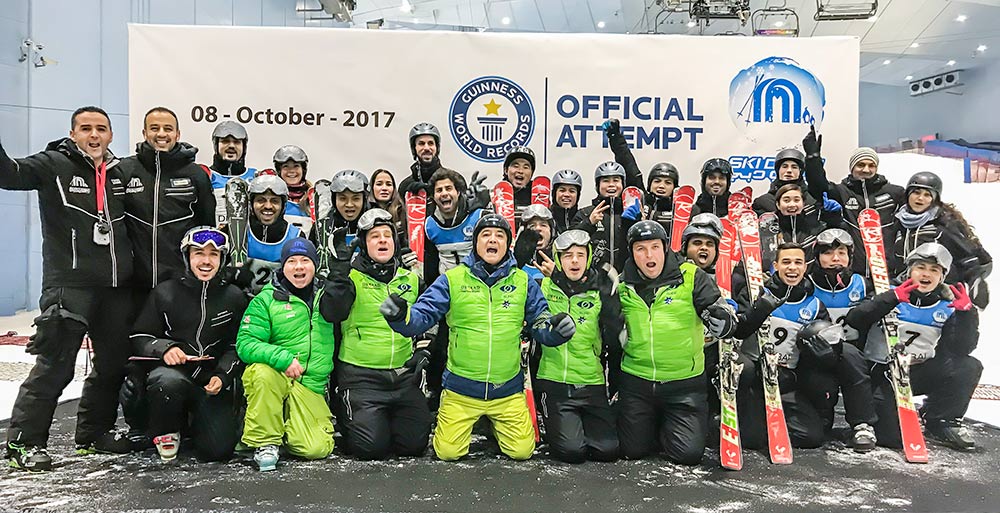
(384, 312)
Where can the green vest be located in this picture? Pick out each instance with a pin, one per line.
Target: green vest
(368, 340)
(665, 340)
(484, 325)
(578, 361)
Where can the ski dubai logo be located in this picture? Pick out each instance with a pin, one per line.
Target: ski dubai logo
(489, 116)
(775, 96)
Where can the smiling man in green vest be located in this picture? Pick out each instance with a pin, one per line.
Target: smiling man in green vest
(487, 301)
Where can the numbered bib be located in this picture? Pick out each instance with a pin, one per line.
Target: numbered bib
(919, 340)
(782, 334)
(262, 271)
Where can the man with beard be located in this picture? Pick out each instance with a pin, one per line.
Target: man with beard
(267, 234)
(350, 199)
(229, 141)
(716, 178)
(425, 147)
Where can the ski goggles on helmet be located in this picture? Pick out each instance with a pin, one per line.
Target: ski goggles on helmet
(349, 180)
(571, 238)
(834, 236)
(202, 236)
(374, 217)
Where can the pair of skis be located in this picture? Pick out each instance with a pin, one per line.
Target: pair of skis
(502, 198)
(683, 204)
(914, 446)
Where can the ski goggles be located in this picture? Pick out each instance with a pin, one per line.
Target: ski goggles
(352, 183)
(201, 237)
(833, 335)
(571, 238)
(370, 218)
(834, 236)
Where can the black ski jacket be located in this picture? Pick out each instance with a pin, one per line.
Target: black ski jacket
(202, 318)
(66, 181)
(766, 202)
(608, 236)
(167, 195)
(705, 202)
(752, 316)
(971, 260)
(563, 216)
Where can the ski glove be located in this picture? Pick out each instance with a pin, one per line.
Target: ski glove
(962, 303)
(830, 205)
(475, 187)
(393, 308)
(415, 187)
(419, 360)
(719, 319)
(633, 212)
(525, 246)
(820, 350)
(562, 324)
(812, 143)
(768, 303)
(904, 289)
(612, 128)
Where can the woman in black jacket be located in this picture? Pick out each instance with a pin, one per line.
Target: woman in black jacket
(187, 329)
(926, 218)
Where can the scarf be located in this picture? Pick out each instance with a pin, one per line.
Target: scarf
(909, 220)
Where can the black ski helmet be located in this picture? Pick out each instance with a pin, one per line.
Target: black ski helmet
(490, 220)
(646, 230)
(926, 180)
(818, 338)
(663, 170)
(716, 165)
(790, 154)
(424, 128)
(520, 152)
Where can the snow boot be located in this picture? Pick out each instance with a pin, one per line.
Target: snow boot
(266, 457)
(864, 438)
(951, 433)
(28, 457)
(167, 445)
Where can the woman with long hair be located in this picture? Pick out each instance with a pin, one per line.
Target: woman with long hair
(385, 195)
(926, 218)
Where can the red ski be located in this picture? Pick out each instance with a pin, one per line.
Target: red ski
(503, 202)
(541, 191)
(870, 224)
(738, 204)
(778, 442)
(730, 451)
(683, 203)
(748, 191)
(631, 195)
(416, 216)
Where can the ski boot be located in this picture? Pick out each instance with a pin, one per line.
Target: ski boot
(167, 446)
(266, 457)
(951, 433)
(28, 457)
(108, 443)
(864, 438)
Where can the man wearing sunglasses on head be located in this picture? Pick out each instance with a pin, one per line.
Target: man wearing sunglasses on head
(187, 329)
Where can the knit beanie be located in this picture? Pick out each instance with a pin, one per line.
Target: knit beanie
(298, 246)
(863, 154)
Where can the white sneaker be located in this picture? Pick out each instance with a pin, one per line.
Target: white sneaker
(167, 445)
(266, 457)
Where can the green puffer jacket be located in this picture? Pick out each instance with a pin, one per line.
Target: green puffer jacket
(279, 327)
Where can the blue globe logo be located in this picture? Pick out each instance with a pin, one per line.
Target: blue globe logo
(776, 93)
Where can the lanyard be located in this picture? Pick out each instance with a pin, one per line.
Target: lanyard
(101, 176)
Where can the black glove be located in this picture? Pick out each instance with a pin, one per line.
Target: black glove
(613, 128)
(475, 187)
(393, 308)
(812, 143)
(243, 276)
(562, 325)
(820, 351)
(419, 360)
(415, 187)
(525, 246)
(719, 319)
(768, 303)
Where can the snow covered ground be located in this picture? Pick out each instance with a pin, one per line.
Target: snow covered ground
(974, 200)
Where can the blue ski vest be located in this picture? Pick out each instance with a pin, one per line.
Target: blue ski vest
(786, 321)
(453, 244)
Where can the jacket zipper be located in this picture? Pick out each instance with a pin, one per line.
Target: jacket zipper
(652, 355)
(569, 306)
(489, 351)
(201, 323)
(111, 227)
(156, 216)
(73, 231)
(392, 337)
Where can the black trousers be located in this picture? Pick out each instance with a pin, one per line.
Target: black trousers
(108, 313)
(849, 377)
(382, 413)
(179, 405)
(948, 382)
(579, 422)
(670, 414)
(802, 418)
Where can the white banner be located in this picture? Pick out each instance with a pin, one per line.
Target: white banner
(349, 97)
